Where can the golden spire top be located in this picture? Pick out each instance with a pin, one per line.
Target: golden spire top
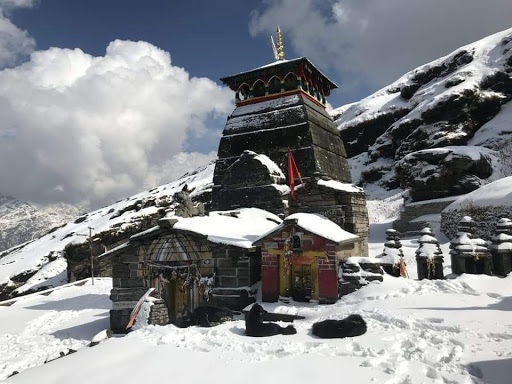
(280, 49)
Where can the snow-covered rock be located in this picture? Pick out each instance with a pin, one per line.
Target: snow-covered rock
(460, 99)
(21, 222)
(439, 172)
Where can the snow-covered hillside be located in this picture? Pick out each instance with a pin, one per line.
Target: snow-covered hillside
(21, 222)
(460, 99)
(445, 331)
(39, 263)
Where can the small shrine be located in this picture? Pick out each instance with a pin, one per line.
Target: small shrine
(301, 256)
(193, 261)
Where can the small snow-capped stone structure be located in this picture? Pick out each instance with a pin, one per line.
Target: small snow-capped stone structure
(392, 255)
(252, 179)
(469, 254)
(429, 257)
(357, 272)
(190, 262)
(301, 257)
(501, 247)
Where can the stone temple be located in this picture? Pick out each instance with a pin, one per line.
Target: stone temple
(281, 107)
(217, 257)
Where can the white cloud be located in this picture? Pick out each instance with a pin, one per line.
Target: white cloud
(11, 4)
(14, 42)
(94, 129)
(376, 41)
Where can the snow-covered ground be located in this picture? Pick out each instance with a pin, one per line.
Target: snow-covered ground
(38, 328)
(450, 331)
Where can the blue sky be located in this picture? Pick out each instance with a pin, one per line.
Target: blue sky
(208, 38)
(117, 116)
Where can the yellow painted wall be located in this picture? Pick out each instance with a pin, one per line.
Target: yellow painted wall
(284, 278)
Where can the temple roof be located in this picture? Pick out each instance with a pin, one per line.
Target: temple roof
(234, 81)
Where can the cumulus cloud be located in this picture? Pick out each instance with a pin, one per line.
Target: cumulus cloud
(376, 41)
(14, 42)
(85, 129)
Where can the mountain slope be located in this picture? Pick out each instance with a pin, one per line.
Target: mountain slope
(462, 99)
(40, 263)
(21, 222)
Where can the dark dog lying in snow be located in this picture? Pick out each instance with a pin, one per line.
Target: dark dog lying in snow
(353, 325)
(206, 316)
(254, 325)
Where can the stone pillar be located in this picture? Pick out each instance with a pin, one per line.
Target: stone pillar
(429, 257)
(128, 288)
(501, 248)
(391, 256)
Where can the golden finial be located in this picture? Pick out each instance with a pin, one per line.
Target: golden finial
(280, 51)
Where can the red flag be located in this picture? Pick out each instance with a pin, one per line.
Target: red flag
(293, 172)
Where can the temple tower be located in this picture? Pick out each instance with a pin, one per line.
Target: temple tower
(281, 107)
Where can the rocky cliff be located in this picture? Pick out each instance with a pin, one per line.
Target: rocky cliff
(460, 102)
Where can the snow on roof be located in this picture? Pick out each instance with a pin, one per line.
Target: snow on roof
(318, 225)
(240, 124)
(113, 250)
(338, 185)
(277, 62)
(156, 228)
(265, 105)
(240, 227)
(361, 260)
(497, 193)
(271, 166)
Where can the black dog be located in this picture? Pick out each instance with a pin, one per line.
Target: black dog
(210, 315)
(206, 316)
(351, 326)
(254, 325)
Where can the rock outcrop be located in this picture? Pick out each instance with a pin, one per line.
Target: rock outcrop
(461, 99)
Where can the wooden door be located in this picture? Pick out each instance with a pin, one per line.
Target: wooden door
(301, 282)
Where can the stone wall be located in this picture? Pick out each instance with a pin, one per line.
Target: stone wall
(347, 209)
(298, 124)
(252, 178)
(236, 270)
(358, 272)
(127, 287)
(412, 211)
(158, 315)
(485, 219)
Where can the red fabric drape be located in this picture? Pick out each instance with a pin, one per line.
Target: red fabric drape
(293, 172)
